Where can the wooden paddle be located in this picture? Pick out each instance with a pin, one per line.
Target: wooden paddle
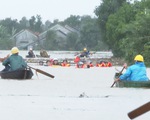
(118, 75)
(139, 111)
(42, 72)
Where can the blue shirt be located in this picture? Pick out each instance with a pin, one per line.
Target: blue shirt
(136, 72)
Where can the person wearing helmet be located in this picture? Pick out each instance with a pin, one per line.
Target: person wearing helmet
(14, 61)
(85, 53)
(55, 61)
(80, 64)
(135, 72)
(30, 53)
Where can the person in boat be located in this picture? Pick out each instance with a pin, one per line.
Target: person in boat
(85, 53)
(14, 61)
(43, 53)
(65, 63)
(135, 72)
(31, 54)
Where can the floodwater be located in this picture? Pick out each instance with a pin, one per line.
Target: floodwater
(74, 94)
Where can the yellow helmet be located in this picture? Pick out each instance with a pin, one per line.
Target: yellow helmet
(139, 58)
(14, 50)
(84, 49)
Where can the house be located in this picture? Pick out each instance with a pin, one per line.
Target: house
(61, 33)
(25, 38)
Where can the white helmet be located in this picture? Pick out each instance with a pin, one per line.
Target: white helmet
(55, 59)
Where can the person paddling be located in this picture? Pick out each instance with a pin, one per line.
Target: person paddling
(31, 54)
(15, 61)
(135, 72)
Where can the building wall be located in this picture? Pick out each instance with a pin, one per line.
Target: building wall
(25, 38)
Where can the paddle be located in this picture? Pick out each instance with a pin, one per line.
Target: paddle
(42, 72)
(118, 75)
(139, 111)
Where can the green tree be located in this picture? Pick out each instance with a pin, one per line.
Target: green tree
(116, 28)
(72, 41)
(5, 42)
(24, 23)
(73, 21)
(89, 32)
(106, 8)
(38, 24)
(50, 43)
(10, 25)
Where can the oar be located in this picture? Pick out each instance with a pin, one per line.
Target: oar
(42, 72)
(139, 111)
(118, 75)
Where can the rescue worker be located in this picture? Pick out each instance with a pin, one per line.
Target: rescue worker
(15, 61)
(135, 72)
(30, 54)
(85, 53)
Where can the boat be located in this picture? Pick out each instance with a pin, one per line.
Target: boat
(17, 74)
(132, 84)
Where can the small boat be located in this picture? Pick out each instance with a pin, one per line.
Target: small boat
(39, 56)
(133, 84)
(17, 74)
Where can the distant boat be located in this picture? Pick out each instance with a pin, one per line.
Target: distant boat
(17, 74)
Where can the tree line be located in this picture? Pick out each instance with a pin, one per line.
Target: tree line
(125, 27)
(89, 33)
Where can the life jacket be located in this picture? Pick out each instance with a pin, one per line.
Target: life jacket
(102, 64)
(91, 65)
(80, 66)
(109, 64)
(65, 64)
(77, 59)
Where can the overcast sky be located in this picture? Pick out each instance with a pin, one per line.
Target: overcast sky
(48, 9)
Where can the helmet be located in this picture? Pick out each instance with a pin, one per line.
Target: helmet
(80, 63)
(84, 49)
(14, 50)
(139, 58)
(55, 59)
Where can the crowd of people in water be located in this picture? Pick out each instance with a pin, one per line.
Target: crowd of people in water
(135, 72)
(81, 60)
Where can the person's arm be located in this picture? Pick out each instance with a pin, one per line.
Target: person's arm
(2, 59)
(124, 76)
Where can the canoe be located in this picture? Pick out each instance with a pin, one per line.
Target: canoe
(134, 84)
(17, 74)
